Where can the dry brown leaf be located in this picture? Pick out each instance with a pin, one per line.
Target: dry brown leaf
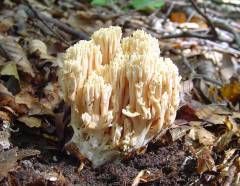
(51, 98)
(227, 162)
(5, 26)
(15, 52)
(8, 100)
(205, 161)
(223, 141)
(4, 116)
(39, 48)
(4, 90)
(199, 21)
(232, 126)
(24, 97)
(212, 113)
(31, 121)
(204, 137)
(4, 139)
(231, 91)
(177, 133)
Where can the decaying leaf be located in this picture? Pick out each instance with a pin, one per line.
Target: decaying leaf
(232, 126)
(31, 121)
(14, 52)
(39, 48)
(25, 97)
(9, 158)
(179, 132)
(11, 78)
(205, 161)
(4, 90)
(52, 97)
(204, 137)
(212, 113)
(231, 91)
(8, 100)
(223, 141)
(4, 139)
(229, 167)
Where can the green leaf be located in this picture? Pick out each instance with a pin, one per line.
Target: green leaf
(147, 4)
(100, 2)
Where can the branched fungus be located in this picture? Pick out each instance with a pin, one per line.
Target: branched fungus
(121, 92)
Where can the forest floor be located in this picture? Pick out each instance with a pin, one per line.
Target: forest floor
(201, 147)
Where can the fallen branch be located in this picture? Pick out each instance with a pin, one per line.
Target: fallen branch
(195, 75)
(188, 34)
(36, 14)
(225, 26)
(62, 26)
(65, 27)
(208, 20)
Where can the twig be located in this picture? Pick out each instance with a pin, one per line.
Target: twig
(206, 78)
(196, 75)
(46, 19)
(209, 22)
(225, 26)
(168, 12)
(188, 34)
(36, 14)
(65, 27)
(185, 61)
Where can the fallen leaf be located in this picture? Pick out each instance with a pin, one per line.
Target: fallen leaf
(205, 161)
(4, 139)
(231, 91)
(8, 100)
(31, 121)
(5, 25)
(4, 90)
(25, 97)
(212, 113)
(51, 98)
(4, 116)
(223, 141)
(177, 133)
(187, 113)
(10, 69)
(232, 126)
(15, 52)
(10, 77)
(199, 21)
(199, 133)
(39, 48)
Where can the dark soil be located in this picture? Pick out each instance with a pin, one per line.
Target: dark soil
(165, 161)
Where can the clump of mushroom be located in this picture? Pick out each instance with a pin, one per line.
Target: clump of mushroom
(121, 92)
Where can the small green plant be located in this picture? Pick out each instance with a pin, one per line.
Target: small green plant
(147, 5)
(102, 2)
(142, 5)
